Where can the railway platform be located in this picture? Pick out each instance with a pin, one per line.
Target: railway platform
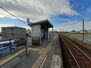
(48, 55)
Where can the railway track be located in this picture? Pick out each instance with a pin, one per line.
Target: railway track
(77, 56)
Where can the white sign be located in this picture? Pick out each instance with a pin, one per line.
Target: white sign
(56, 62)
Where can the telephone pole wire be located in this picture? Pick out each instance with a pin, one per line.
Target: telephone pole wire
(11, 14)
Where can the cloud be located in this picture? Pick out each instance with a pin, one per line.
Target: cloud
(89, 10)
(73, 26)
(38, 9)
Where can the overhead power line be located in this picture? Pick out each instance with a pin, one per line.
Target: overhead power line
(11, 14)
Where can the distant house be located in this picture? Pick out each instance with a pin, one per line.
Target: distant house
(13, 32)
(89, 31)
(85, 31)
(74, 31)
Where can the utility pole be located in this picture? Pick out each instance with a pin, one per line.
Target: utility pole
(83, 30)
(26, 46)
(28, 22)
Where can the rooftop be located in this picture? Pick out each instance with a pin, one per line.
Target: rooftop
(43, 23)
(13, 27)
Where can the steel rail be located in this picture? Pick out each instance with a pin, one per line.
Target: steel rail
(80, 50)
(78, 65)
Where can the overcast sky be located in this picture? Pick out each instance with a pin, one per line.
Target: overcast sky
(63, 14)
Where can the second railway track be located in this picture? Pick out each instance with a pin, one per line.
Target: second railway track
(78, 56)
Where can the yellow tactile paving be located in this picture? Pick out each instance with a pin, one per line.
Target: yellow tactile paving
(43, 52)
(34, 49)
(40, 59)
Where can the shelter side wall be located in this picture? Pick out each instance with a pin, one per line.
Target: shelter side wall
(36, 31)
(36, 34)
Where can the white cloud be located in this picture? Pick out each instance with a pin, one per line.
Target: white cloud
(73, 26)
(38, 9)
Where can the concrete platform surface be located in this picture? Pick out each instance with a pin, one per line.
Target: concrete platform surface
(53, 59)
(48, 55)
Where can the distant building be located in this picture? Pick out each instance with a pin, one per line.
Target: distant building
(85, 31)
(40, 30)
(13, 32)
(73, 31)
(89, 31)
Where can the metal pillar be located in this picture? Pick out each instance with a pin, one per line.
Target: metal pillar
(10, 45)
(83, 30)
(26, 48)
